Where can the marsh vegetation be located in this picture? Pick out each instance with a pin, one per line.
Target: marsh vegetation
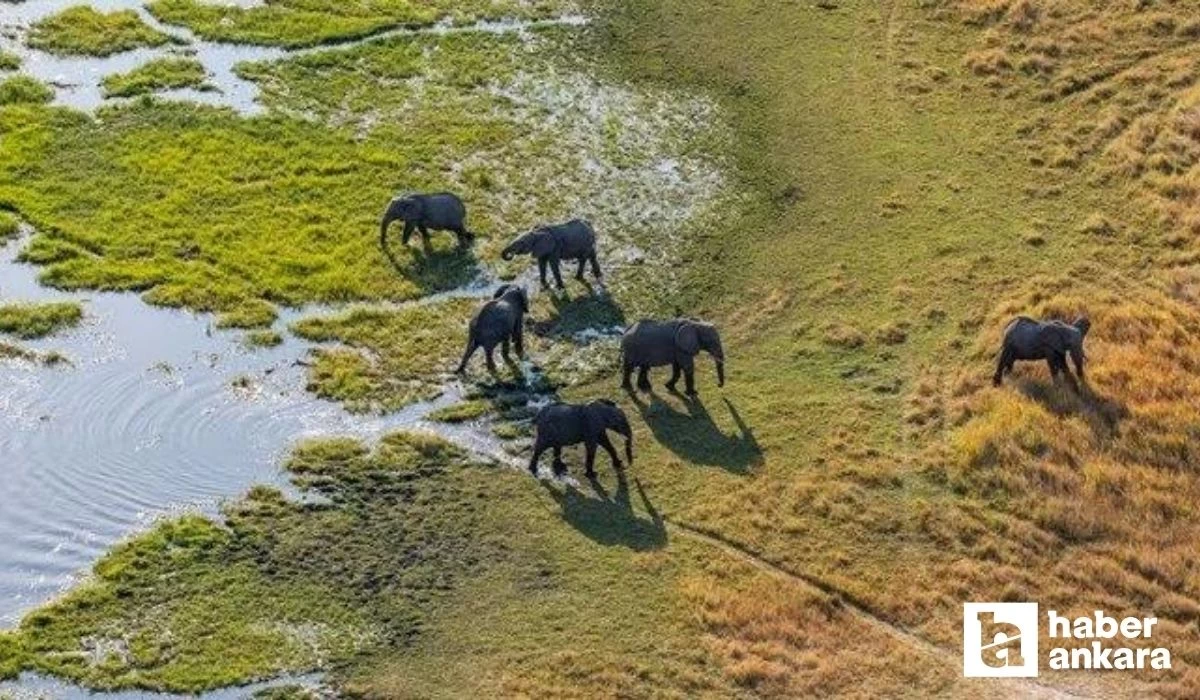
(862, 195)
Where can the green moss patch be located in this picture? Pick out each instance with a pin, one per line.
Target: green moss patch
(21, 89)
(28, 321)
(83, 30)
(158, 74)
(461, 412)
(388, 358)
(10, 227)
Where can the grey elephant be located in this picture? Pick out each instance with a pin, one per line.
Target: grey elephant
(498, 322)
(676, 343)
(560, 425)
(1052, 341)
(438, 211)
(574, 240)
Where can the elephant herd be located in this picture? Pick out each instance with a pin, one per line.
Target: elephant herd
(646, 343)
(500, 322)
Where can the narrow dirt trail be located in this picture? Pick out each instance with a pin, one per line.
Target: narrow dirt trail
(1016, 688)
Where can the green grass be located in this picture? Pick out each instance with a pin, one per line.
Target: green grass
(28, 321)
(21, 89)
(10, 227)
(461, 412)
(264, 339)
(82, 30)
(296, 23)
(158, 74)
(9, 60)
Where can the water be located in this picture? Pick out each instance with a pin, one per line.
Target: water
(77, 79)
(147, 422)
(31, 686)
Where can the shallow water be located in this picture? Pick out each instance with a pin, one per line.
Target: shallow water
(31, 686)
(77, 79)
(145, 423)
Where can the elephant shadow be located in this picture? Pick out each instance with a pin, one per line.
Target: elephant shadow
(438, 268)
(573, 314)
(1102, 414)
(609, 519)
(695, 436)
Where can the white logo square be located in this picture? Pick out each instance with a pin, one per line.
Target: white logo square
(1000, 640)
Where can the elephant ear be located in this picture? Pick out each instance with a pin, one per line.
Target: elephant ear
(687, 339)
(544, 243)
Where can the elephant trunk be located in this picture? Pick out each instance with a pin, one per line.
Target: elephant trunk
(629, 446)
(720, 373)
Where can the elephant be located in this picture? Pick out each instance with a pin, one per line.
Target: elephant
(440, 211)
(1052, 341)
(574, 240)
(676, 342)
(560, 425)
(499, 321)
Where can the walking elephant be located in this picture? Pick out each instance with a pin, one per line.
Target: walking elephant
(439, 211)
(676, 343)
(560, 425)
(574, 240)
(498, 322)
(1052, 341)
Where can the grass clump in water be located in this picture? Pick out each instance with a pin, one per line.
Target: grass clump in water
(9, 60)
(21, 89)
(264, 339)
(82, 30)
(462, 412)
(158, 74)
(30, 321)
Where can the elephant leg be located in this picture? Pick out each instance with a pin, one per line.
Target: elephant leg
(1061, 359)
(579, 272)
(644, 378)
(472, 346)
(1003, 365)
(560, 467)
(491, 360)
(519, 337)
(504, 351)
(538, 449)
(409, 227)
(1053, 367)
(464, 236)
(612, 451)
(555, 266)
(590, 464)
(596, 267)
(675, 371)
(626, 373)
(689, 379)
(542, 262)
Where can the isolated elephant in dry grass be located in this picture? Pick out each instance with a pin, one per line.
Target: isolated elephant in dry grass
(560, 425)
(1052, 341)
(676, 343)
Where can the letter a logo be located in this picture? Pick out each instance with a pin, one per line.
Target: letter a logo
(1000, 640)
